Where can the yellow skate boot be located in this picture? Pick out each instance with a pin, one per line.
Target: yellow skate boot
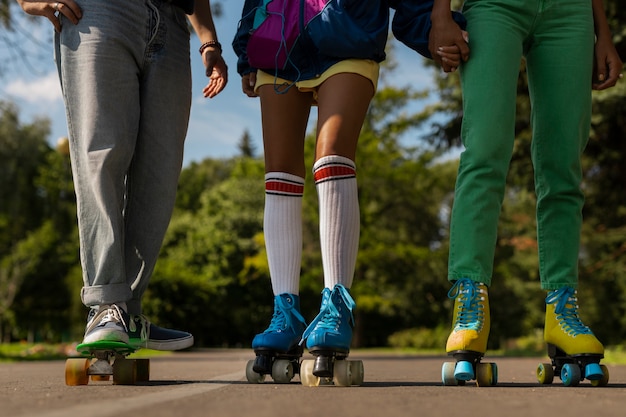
(574, 349)
(467, 342)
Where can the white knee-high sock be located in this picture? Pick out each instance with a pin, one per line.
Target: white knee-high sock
(335, 180)
(282, 225)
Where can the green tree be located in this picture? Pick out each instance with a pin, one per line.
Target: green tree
(37, 230)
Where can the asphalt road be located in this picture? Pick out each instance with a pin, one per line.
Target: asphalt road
(212, 383)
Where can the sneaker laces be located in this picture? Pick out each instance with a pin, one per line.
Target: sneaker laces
(330, 316)
(282, 319)
(112, 313)
(144, 333)
(470, 314)
(566, 311)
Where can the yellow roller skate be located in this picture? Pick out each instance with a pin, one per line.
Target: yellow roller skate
(468, 341)
(573, 348)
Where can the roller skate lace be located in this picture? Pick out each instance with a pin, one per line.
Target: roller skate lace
(470, 314)
(566, 311)
(282, 319)
(330, 316)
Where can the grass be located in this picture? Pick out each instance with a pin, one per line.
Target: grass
(17, 352)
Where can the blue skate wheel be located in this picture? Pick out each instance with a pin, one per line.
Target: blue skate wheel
(593, 371)
(464, 371)
(570, 375)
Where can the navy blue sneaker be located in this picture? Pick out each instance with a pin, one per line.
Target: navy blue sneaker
(106, 323)
(144, 334)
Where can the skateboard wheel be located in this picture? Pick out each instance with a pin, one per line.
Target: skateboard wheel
(252, 376)
(306, 374)
(486, 374)
(604, 381)
(570, 375)
(143, 370)
(76, 371)
(545, 373)
(124, 371)
(100, 378)
(282, 371)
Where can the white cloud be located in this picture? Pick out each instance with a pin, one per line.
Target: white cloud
(40, 90)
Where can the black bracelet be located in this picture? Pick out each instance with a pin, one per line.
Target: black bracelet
(208, 44)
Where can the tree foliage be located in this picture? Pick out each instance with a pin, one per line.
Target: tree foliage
(212, 276)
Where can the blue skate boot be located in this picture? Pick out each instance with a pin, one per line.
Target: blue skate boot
(277, 349)
(328, 338)
(573, 348)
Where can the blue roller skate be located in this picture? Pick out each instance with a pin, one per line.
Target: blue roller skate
(328, 338)
(573, 348)
(277, 349)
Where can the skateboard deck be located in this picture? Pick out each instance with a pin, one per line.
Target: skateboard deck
(103, 360)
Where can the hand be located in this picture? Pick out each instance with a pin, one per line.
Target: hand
(248, 82)
(450, 57)
(216, 70)
(53, 10)
(448, 44)
(608, 65)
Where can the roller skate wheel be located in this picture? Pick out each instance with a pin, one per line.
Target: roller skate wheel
(570, 375)
(282, 371)
(447, 374)
(358, 373)
(545, 373)
(486, 374)
(306, 374)
(464, 371)
(76, 371)
(252, 376)
(604, 381)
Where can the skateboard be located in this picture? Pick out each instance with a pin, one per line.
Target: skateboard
(572, 369)
(104, 360)
(468, 366)
(281, 366)
(331, 368)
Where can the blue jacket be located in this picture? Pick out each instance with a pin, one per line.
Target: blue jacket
(358, 29)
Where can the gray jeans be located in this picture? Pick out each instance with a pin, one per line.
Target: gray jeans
(126, 80)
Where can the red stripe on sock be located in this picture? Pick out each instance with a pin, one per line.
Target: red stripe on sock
(329, 171)
(284, 187)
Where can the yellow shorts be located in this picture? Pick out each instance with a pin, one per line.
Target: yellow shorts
(364, 67)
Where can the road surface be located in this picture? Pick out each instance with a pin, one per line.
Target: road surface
(212, 383)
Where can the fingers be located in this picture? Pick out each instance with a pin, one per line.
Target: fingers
(607, 72)
(69, 9)
(248, 82)
(218, 78)
(53, 10)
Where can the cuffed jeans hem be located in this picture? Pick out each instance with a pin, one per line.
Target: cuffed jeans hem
(105, 294)
(134, 307)
(476, 278)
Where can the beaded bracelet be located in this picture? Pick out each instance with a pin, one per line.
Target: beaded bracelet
(208, 44)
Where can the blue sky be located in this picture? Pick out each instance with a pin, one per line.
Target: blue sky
(216, 125)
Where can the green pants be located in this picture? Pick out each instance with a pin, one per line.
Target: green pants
(556, 37)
